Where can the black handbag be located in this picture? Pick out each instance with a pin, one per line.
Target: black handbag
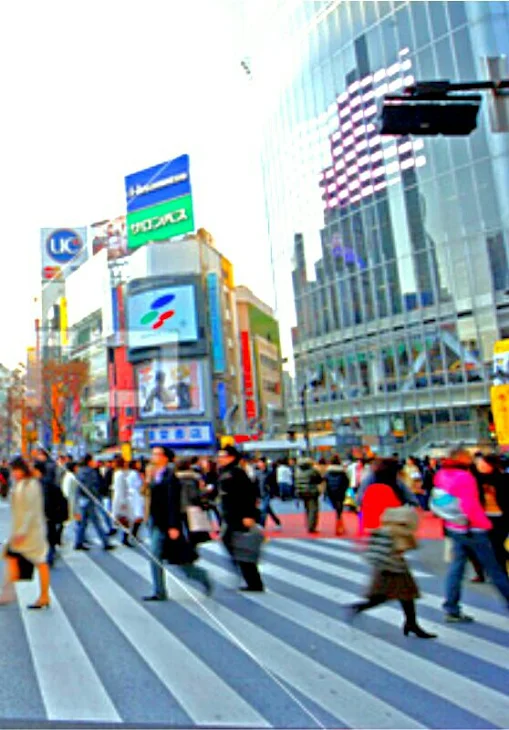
(247, 546)
(179, 551)
(25, 567)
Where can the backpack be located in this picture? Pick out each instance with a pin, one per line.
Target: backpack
(447, 507)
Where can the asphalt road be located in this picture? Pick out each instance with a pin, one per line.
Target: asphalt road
(288, 658)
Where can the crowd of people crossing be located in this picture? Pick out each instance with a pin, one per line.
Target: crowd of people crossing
(168, 507)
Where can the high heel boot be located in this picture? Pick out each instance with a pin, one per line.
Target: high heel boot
(411, 626)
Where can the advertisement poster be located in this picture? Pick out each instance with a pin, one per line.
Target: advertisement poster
(162, 316)
(63, 250)
(501, 363)
(170, 387)
(110, 235)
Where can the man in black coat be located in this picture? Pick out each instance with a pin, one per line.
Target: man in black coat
(239, 496)
(166, 524)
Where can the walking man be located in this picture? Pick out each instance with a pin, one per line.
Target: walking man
(166, 523)
(307, 483)
(88, 495)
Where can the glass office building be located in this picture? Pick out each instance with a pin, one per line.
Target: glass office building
(390, 254)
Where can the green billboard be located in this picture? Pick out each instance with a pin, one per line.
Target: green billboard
(160, 222)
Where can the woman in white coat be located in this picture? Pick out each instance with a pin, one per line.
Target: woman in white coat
(136, 482)
(27, 542)
(122, 506)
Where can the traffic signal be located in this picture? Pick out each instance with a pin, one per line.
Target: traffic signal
(429, 118)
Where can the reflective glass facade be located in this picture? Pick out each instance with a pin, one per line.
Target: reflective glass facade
(390, 254)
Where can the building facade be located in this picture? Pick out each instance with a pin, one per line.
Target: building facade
(260, 358)
(390, 254)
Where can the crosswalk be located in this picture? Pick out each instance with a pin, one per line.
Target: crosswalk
(286, 658)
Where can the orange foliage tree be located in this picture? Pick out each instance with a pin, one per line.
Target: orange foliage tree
(62, 384)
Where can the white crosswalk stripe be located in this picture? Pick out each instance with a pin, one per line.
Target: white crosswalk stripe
(284, 680)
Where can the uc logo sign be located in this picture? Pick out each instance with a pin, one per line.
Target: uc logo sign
(159, 312)
(63, 245)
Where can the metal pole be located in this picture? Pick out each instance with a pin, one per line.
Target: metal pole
(303, 402)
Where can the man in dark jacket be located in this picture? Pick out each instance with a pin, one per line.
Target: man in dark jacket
(307, 482)
(239, 496)
(88, 496)
(166, 523)
(265, 478)
(55, 505)
(336, 485)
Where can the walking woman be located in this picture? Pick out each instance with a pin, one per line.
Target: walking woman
(392, 533)
(27, 545)
(122, 504)
(135, 481)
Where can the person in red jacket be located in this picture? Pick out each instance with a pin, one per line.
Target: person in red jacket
(455, 477)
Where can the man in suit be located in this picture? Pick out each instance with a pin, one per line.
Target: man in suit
(166, 522)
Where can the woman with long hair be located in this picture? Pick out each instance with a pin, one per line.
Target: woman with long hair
(27, 545)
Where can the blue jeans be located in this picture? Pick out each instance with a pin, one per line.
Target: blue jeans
(479, 544)
(157, 540)
(89, 512)
(105, 508)
(267, 511)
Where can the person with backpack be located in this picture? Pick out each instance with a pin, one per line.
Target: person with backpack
(336, 485)
(307, 488)
(467, 526)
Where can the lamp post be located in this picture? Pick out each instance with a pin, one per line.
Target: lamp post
(305, 423)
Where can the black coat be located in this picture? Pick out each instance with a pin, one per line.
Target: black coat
(165, 496)
(238, 496)
(55, 504)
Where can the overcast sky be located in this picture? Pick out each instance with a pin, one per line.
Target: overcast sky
(94, 91)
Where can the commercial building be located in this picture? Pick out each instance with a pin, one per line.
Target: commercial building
(390, 254)
(181, 343)
(260, 358)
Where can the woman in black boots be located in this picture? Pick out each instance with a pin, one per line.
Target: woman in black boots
(392, 579)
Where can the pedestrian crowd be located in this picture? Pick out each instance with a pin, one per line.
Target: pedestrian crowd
(169, 507)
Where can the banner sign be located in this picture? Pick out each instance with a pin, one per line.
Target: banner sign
(222, 400)
(177, 435)
(216, 323)
(247, 370)
(63, 250)
(160, 222)
(110, 235)
(166, 181)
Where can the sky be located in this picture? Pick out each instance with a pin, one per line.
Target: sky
(94, 91)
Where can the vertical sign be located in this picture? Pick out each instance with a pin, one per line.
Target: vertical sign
(64, 338)
(247, 370)
(222, 400)
(216, 323)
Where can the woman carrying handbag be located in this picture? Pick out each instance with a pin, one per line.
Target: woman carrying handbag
(27, 545)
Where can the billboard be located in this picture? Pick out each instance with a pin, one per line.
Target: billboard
(216, 323)
(164, 315)
(166, 181)
(169, 386)
(63, 250)
(160, 222)
(110, 235)
(175, 435)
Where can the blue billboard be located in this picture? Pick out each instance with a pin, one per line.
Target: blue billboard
(157, 184)
(216, 323)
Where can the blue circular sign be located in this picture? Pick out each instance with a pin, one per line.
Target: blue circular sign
(63, 245)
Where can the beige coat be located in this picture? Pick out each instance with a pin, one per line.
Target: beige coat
(28, 520)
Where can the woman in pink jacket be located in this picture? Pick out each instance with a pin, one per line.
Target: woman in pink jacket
(469, 535)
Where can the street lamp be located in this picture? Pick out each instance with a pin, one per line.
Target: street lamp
(303, 402)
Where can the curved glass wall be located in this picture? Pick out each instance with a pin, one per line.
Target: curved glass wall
(390, 254)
